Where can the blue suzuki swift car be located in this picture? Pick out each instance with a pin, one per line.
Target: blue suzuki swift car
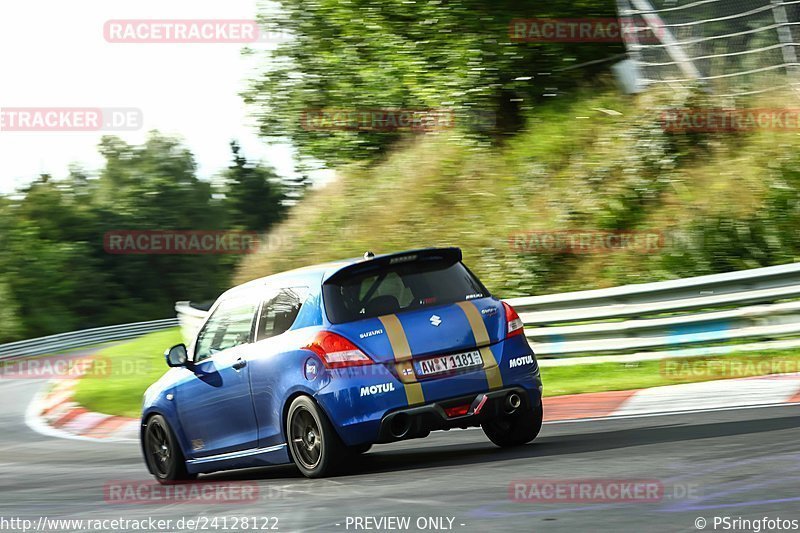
(318, 364)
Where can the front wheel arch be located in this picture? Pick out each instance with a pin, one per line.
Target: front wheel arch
(142, 428)
(174, 424)
(175, 467)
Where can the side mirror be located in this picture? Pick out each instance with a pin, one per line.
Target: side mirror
(177, 355)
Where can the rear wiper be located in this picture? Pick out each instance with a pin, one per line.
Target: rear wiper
(373, 288)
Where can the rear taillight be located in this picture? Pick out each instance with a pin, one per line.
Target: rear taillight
(458, 410)
(336, 351)
(513, 320)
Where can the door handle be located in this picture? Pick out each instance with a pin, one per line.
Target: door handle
(239, 364)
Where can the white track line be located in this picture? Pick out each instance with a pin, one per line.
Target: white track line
(672, 413)
(34, 421)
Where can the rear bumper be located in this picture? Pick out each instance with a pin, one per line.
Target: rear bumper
(418, 422)
(357, 400)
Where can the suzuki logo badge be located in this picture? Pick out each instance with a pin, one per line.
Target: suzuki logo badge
(436, 320)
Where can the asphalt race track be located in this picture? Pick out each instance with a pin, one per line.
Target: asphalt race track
(742, 463)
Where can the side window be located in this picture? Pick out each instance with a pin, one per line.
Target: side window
(229, 326)
(280, 311)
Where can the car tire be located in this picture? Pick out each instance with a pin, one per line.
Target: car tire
(315, 447)
(164, 457)
(515, 429)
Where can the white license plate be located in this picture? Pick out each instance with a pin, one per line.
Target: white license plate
(448, 363)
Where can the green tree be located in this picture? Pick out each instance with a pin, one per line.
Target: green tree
(55, 274)
(254, 195)
(368, 54)
(155, 187)
(10, 324)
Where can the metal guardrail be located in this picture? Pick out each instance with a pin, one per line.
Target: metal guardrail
(683, 315)
(711, 311)
(76, 339)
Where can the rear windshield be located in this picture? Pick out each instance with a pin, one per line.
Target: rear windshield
(397, 288)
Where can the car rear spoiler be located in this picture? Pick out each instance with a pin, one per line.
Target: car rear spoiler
(448, 256)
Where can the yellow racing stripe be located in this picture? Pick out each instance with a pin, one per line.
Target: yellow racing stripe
(402, 357)
(478, 326)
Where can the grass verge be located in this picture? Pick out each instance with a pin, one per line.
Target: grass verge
(604, 377)
(138, 363)
(133, 366)
(595, 161)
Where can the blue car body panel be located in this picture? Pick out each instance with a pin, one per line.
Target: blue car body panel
(359, 416)
(225, 417)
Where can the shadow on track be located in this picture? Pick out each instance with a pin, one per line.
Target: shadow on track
(473, 453)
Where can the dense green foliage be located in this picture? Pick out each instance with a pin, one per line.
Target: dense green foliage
(597, 161)
(253, 200)
(56, 275)
(544, 143)
(135, 365)
(433, 54)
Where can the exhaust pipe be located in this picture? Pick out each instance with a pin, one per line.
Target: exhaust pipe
(513, 401)
(400, 425)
